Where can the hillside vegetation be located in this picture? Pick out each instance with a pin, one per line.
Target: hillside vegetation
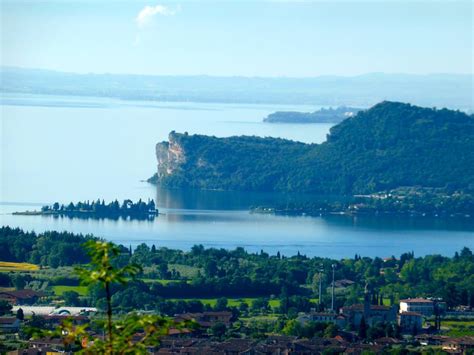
(386, 147)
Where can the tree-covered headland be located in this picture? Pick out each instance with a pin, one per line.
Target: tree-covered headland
(390, 149)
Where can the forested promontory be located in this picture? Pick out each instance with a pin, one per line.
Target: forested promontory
(389, 146)
(324, 115)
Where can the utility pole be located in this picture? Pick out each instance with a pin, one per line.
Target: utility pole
(320, 286)
(332, 296)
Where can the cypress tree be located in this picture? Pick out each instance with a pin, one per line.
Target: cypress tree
(362, 329)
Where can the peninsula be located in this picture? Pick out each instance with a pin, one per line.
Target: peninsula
(324, 115)
(387, 147)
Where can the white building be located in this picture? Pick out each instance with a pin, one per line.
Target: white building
(419, 305)
(49, 310)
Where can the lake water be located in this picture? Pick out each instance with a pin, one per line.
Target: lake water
(79, 148)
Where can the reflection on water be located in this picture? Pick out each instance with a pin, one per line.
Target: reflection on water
(188, 205)
(223, 200)
(393, 222)
(46, 159)
(221, 219)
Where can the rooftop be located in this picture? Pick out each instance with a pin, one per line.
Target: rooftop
(23, 294)
(8, 320)
(360, 307)
(416, 300)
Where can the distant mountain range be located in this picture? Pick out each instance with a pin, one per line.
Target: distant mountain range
(437, 90)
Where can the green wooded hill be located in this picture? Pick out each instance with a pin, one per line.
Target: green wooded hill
(388, 146)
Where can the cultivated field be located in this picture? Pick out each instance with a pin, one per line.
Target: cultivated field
(11, 266)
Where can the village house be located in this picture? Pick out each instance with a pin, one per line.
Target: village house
(462, 344)
(343, 283)
(452, 345)
(323, 317)
(418, 305)
(431, 339)
(36, 351)
(47, 343)
(9, 324)
(372, 314)
(20, 297)
(410, 321)
(206, 319)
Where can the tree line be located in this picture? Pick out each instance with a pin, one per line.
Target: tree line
(238, 273)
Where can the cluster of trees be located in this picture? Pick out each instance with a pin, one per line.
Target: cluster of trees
(47, 249)
(99, 208)
(237, 273)
(385, 147)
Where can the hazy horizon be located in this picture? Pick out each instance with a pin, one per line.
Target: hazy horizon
(250, 39)
(329, 75)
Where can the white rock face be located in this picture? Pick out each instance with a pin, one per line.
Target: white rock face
(170, 156)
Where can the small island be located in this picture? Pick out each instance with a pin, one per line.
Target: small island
(329, 115)
(99, 209)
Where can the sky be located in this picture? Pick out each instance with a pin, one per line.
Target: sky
(239, 38)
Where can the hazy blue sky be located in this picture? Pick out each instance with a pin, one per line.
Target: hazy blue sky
(264, 38)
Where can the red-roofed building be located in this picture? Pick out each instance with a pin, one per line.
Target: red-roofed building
(206, 319)
(21, 296)
(9, 324)
(372, 314)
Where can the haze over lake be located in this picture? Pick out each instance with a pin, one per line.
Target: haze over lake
(78, 148)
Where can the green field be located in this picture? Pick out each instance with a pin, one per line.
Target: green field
(59, 290)
(232, 302)
(458, 328)
(161, 281)
(186, 271)
(164, 282)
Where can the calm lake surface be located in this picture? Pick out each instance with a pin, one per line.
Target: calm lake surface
(78, 148)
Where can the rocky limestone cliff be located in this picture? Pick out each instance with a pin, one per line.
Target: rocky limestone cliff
(170, 156)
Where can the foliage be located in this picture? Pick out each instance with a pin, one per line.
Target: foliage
(324, 115)
(284, 283)
(61, 290)
(49, 248)
(71, 298)
(20, 314)
(114, 209)
(5, 307)
(125, 330)
(101, 272)
(121, 334)
(309, 329)
(386, 147)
